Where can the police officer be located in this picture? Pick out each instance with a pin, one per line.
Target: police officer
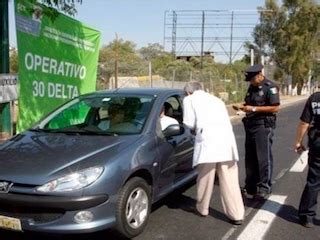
(261, 104)
(310, 121)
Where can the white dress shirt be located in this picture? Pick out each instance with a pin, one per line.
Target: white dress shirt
(215, 140)
(166, 121)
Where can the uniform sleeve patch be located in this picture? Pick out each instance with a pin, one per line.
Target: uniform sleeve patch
(274, 90)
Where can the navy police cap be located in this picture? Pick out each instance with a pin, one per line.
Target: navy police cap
(251, 71)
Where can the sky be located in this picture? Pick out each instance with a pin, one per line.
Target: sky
(140, 21)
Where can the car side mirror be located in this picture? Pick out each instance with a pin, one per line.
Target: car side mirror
(173, 130)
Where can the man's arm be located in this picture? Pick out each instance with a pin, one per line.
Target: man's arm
(301, 131)
(265, 109)
(189, 118)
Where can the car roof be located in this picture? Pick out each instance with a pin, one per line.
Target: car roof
(137, 91)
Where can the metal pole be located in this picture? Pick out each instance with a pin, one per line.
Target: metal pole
(211, 85)
(116, 63)
(150, 74)
(173, 76)
(252, 57)
(237, 87)
(164, 29)
(174, 34)
(4, 64)
(231, 39)
(202, 40)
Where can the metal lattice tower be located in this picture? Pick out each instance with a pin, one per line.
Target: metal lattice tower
(221, 33)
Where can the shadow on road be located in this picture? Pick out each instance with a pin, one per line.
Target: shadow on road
(286, 212)
(179, 200)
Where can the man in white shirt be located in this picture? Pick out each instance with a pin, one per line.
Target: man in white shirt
(166, 121)
(215, 149)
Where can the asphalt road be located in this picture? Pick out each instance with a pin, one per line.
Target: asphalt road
(273, 219)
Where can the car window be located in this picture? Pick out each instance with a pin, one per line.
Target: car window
(175, 102)
(101, 115)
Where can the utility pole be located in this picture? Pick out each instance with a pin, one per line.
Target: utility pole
(252, 57)
(116, 68)
(174, 34)
(231, 39)
(5, 116)
(173, 77)
(150, 74)
(202, 40)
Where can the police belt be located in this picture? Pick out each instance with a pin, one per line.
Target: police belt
(313, 134)
(315, 131)
(259, 119)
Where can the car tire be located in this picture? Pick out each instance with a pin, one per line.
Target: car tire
(133, 207)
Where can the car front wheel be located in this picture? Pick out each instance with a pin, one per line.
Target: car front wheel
(133, 207)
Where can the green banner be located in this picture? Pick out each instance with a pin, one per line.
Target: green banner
(57, 60)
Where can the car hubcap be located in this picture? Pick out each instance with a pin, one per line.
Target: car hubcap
(137, 208)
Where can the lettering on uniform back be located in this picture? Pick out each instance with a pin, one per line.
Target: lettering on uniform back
(315, 108)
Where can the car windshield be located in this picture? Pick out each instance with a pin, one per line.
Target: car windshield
(99, 115)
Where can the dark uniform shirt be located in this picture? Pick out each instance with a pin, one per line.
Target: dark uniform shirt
(267, 94)
(311, 111)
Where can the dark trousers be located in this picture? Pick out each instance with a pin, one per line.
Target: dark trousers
(308, 202)
(258, 158)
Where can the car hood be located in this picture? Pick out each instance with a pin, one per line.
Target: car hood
(35, 158)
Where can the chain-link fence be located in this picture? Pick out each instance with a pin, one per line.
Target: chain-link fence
(230, 88)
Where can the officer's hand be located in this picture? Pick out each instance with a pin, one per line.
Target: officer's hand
(246, 108)
(299, 148)
(236, 107)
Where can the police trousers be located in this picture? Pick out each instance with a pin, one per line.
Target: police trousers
(258, 157)
(308, 202)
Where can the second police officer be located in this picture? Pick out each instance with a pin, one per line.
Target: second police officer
(310, 122)
(261, 105)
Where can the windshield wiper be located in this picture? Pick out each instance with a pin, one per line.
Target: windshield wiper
(55, 131)
(41, 130)
(74, 131)
(93, 132)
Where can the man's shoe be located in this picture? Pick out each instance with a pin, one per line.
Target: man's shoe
(236, 222)
(199, 214)
(246, 194)
(195, 211)
(307, 224)
(260, 196)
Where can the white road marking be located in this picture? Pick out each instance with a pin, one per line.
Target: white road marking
(261, 222)
(234, 228)
(301, 163)
(280, 175)
(272, 207)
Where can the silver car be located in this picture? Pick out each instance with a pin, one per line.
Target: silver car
(97, 162)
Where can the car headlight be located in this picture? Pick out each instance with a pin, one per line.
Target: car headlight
(73, 181)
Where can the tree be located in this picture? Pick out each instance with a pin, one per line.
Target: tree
(66, 6)
(160, 59)
(130, 63)
(289, 35)
(178, 70)
(152, 51)
(13, 58)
